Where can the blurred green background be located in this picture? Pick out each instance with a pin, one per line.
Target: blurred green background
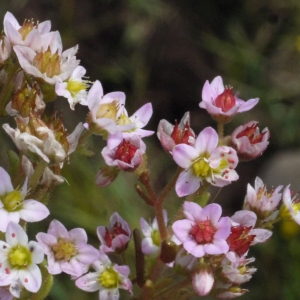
(162, 52)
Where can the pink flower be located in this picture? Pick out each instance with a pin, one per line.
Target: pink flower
(204, 161)
(248, 142)
(116, 236)
(220, 102)
(13, 207)
(151, 243)
(243, 234)
(203, 231)
(262, 202)
(127, 155)
(172, 135)
(67, 251)
(108, 279)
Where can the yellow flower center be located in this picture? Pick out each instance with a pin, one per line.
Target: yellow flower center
(201, 168)
(109, 278)
(64, 250)
(156, 238)
(108, 110)
(75, 87)
(19, 257)
(12, 201)
(47, 63)
(123, 120)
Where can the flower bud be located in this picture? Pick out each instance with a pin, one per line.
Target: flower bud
(107, 175)
(203, 280)
(172, 135)
(248, 142)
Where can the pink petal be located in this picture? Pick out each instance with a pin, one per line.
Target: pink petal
(206, 141)
(58, 230)
(142, 116)
(245, 106)
(192, 210)
(182, 228)
(187, 184)
(78, 236)
(184, 154)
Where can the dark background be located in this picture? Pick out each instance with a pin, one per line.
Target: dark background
(163, 52)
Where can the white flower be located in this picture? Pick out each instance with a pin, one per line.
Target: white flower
(19, 259)
(151, 242)
(28, 34)
(13, 207)
(107, 279)
(74, 89)
(50, 63)
(47, 148)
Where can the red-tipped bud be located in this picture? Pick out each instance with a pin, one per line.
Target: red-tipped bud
(248, 141)
(226, 100)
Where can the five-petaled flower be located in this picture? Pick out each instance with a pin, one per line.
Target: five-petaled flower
(152, 241)
(19, 259)
(67, 251)
(203, 231)
(172, 135)
(13, 207)
(220, 102)
(116, 236)
(205, 161)
(108, 279)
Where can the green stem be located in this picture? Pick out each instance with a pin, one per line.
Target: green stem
(220, 131)
(269, 224)
(38, 172)
(145, 180)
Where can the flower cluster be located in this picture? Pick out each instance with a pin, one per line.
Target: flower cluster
(209, 250)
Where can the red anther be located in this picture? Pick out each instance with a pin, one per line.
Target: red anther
(230, 160)
(13, 235)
